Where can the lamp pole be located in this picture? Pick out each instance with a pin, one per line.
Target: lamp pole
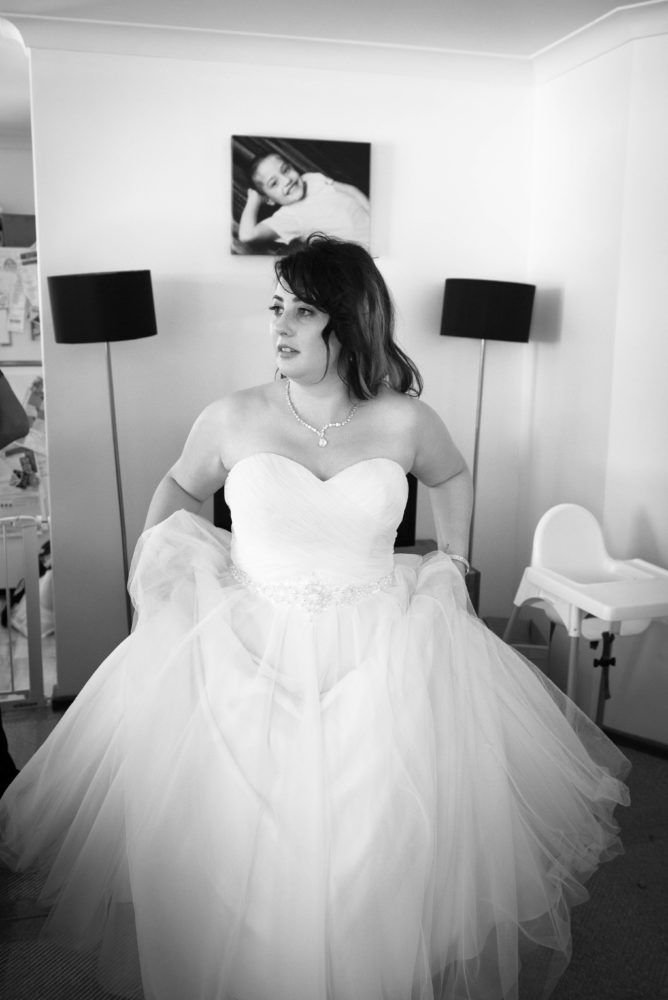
(119, 487)
(476, 443)
(484, 309)
(103, 307)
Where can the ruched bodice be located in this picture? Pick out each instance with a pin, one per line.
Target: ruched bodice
(287, 523)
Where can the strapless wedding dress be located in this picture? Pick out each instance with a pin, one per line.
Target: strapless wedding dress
(311, 773)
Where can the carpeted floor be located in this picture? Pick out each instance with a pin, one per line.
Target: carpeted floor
(620, 937)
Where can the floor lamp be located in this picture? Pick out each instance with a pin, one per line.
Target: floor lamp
(485, 310)
(105, 307)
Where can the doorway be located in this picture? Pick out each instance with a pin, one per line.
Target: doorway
(27, 625)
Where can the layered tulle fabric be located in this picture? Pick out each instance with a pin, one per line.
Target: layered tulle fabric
(311, 773)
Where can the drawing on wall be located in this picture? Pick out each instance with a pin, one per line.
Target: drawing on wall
(19, 307)
(286, 189)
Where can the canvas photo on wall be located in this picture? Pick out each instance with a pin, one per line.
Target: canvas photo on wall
(286, 189)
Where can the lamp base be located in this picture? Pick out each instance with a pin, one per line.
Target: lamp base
(421, 547)
(472, 580)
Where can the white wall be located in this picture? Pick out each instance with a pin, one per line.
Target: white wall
(17, 194)
(636, 486)
(132, 170)
(562, 185)
(599, 255)
(580, 155)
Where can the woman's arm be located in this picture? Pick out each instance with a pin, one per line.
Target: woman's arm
(440, 466)
(169, 497)
(199, 471)
(451, 504)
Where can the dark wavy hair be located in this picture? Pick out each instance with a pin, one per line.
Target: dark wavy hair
(342, 280)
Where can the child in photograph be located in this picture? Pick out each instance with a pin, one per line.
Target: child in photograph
(307, 203)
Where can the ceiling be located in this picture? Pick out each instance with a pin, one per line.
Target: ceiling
(520, 28)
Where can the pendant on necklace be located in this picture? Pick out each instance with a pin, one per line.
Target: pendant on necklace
(322, 440)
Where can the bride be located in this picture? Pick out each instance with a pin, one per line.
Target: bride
(311, 773)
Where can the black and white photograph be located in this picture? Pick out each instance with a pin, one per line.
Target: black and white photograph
(286, 189)
(333, 500)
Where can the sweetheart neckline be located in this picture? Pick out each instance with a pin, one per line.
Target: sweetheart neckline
(314, 475)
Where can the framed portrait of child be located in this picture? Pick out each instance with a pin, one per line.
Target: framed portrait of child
(286, 189)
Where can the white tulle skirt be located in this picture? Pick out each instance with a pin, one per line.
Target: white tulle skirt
(247, 802)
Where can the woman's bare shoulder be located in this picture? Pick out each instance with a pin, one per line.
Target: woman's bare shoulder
(241, 404)
(399, 406)
(431, 453)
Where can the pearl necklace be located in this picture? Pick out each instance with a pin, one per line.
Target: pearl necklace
(322, 440)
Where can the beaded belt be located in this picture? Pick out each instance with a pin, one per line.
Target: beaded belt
(310, 592)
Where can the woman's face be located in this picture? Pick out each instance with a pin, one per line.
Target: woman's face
(296, 328)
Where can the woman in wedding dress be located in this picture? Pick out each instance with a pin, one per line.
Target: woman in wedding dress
(311, 773)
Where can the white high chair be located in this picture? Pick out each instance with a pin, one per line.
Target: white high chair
(574, 580)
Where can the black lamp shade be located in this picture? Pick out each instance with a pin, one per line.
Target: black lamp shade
(102, 306)
(487, 310)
